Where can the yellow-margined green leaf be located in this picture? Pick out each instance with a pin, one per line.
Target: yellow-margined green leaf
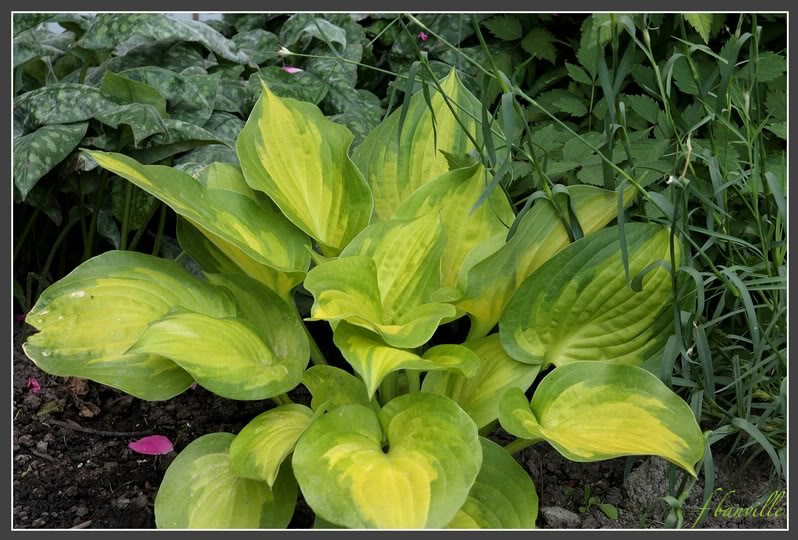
(592, 411)
(336, 387)
(373, 359)
(479, 395)
(292, 152)
(276, 320)
(420, 479)
(229, 356)
(577, 306)
(395, 168)
(490, 275)
(199, 491)
(259, 449)
(89, 319)
(454, 194)
(223, 205)
(384, 280)
(503, 495)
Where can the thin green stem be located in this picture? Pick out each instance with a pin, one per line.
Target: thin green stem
(57, 243)
(316, 356)
(126, 216)
(89, 249)
(518, 445)
(162, 222)
(31, 220)
(140, 231)
(413, 380)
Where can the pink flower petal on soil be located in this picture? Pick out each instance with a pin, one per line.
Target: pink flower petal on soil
(33, 385)
(154, 445)
(422, 36)
(290, 69)
(193, 386)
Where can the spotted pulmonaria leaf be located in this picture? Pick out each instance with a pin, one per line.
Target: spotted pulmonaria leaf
(479, 395)
(26, 21)
(225, 207)
(143, 120)
(304, 168)
(258, 44)
(502, 497)
(592, 411)
(263, 444)
(133, 91)
(395, 168)
(37, 153)
(578, 306)
(409, 466)
(373, 359)
(154, 445)
(493, 271)
(88, 320)
(301, 85)
(63, 103)
(383, 281)
(110, 29)
(185, 101)
(199, 491)
(139, 204)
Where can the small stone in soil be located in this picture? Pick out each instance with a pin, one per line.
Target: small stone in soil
(560, 518)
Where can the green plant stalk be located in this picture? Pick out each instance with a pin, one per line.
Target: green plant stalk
(57, 243)
(161, 223)
(519, 444)
(126, 216)
(413, 380)
(316, 356)
(388, 387)
(89, 249)
(31, 220)
(140, 231)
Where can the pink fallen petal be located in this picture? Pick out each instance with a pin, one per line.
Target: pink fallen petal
(33, 385)
(422, 36)
(20, 317)
(290, 69)
(154, 445)
(193, 386)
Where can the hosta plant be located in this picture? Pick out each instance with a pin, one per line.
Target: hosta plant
(389, 243)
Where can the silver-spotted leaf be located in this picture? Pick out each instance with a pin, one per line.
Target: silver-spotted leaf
(35, 154)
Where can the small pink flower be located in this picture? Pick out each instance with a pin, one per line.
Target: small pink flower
(33, 385)
(422, 36)
(193, 385)
(292, 70)
(154, 445)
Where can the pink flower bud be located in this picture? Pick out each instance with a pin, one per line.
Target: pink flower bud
(422, 36)
(33, 385)
(290, 69)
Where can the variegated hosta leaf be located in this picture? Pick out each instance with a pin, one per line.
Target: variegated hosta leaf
(226, 207)
(490, 275)
(592, 411)
(263, 444)
(336, 387)
(384, 280)
(199, 491)
(350, 477)
(230, 357)
(577, 306)
(395, 168)
(275, 318)
(373, 359)
(503, 495)
(479, 395)
(89, 319)
(454, 194)
(290, 151)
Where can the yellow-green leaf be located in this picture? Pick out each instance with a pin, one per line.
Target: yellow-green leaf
(259, 449)
(220, 202)
(373, 359)
(490, 275)
(395, 168)
(350, 477)
(454, 194)
(479, 395)
(335, 387)
(199, 491)
(88, 320)
(592, 411)
(502, 497)
(578, 306)
(292, 152)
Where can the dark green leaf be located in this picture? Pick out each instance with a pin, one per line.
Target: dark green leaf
(37, 153)
(506, 27)
(539, 43)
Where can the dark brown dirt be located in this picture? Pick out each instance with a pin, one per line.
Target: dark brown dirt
(65, 478)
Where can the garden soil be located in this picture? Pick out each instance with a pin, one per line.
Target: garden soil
(72, 467)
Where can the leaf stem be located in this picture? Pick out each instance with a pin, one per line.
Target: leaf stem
(518, 445)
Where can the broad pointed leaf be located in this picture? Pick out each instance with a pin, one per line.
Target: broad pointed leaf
(384, 281)
(39, 152)
(489, 277)
(395, 168)
(332, 385)
(225, 206)
(133, 91)
(185, 101)
(479, 395)
(290, 151)
(373, 359)
(502, 497)
(433, 456)
(578, 306)
(89, 319)
(592, 411)
(454, 194)
(199, 491)
(259, 449)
